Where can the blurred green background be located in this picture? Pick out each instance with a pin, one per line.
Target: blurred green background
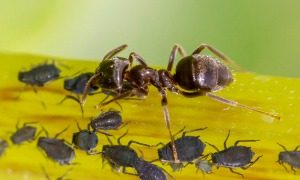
(262, 36)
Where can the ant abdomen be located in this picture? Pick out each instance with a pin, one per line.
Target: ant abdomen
(204, 73)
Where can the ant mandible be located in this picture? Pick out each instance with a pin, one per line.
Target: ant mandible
(195, 75)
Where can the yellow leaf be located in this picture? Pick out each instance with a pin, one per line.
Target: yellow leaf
(272, 94)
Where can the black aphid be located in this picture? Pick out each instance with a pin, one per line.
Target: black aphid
(25, 133)
(188, 149)
(148, 171)
(39, 75)
(122, 156)
(3, 146)
(56, 149)
(76, 86)
(234, 156)
(106, 121)
(85, 140)
(291, 158)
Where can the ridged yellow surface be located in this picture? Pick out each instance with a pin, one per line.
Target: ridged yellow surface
(273, 94)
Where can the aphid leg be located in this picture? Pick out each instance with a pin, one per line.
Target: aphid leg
(36, 92)
(21, 91)
(139, 143)
(236, 173)
(75, 99)
(218, 53)
(119, 139)
(62, 177)
(238, 141)
(45, 172)
(105, 133)
(252, 162)
(135, 56)
(193, 130)
(87, 87)
(26, 123)
(225, 142)
(45, 131)
(77, 123)
(296, 148)
(125, 172)
(110, 142)
(122, 125)
(176, 48)
(286, 169)
(115, 51)
(166, 114)
(180, 131)
(236, 104)
(283, 147)
(213, 146)
(292, 168)
(59, 133)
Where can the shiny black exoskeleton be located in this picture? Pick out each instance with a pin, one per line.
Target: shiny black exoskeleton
(234, 156)
(57, 149)
(188, 149)
(85, 140)
(291, 158)
(107, 121)
(3, 146)
(25, 133)
(39, 75)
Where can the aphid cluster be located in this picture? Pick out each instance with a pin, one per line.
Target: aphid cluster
(124, 78)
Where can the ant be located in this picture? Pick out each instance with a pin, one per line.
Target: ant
(195, 75)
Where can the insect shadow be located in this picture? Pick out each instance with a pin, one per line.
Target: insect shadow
(235, 156)
(291, 158)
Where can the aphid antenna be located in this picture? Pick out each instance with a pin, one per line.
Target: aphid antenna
(59, 133)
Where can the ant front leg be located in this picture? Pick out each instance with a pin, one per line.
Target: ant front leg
(164, 103)
(176, 48)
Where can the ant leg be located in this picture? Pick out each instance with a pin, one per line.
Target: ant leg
(121, 96)
(113, 52)
(59, 133)
(251, 163)
(166, 114)
(176, 48)
(137, 57)
(238, 141)
(236, 104)
(119, 139)
(215, 147)
(236, 172)
(87, 87)
(283, 147)
(225, 146)
(218, 53)
(193, 130)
